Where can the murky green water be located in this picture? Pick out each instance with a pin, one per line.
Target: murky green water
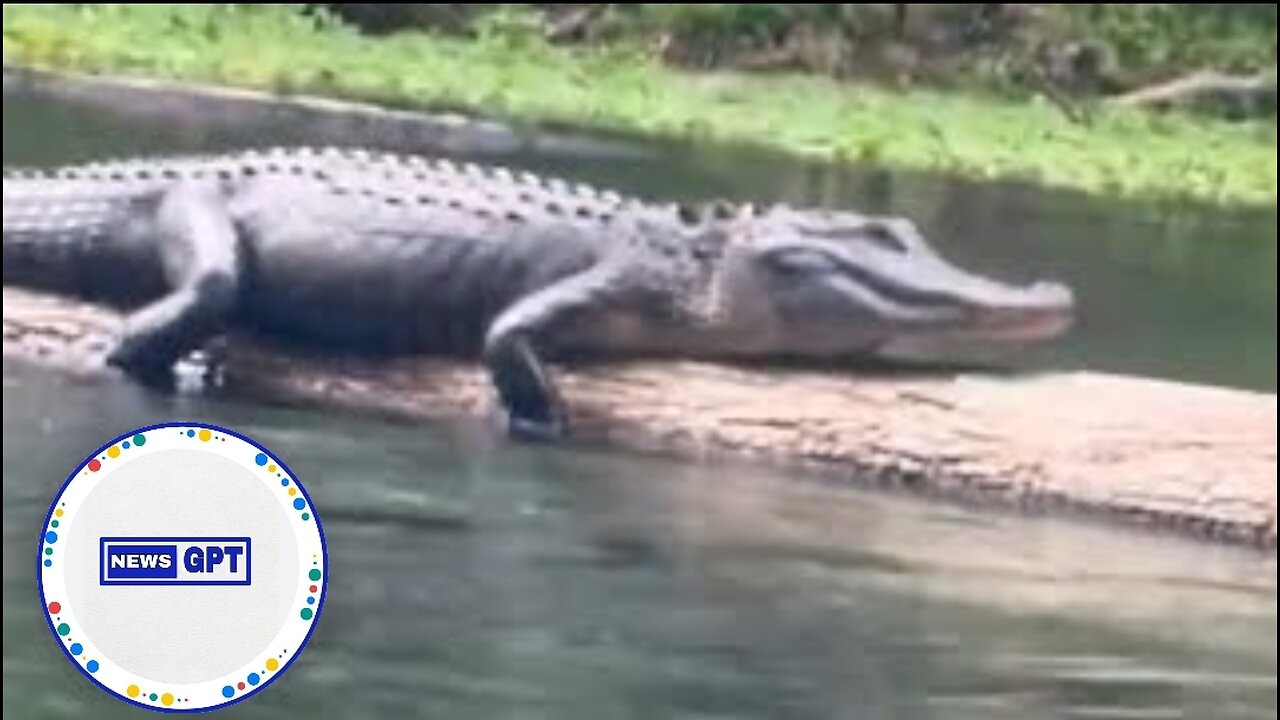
(472, 579)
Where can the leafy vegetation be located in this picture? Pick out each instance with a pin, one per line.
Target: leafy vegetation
(1151, 38)
(505, 67)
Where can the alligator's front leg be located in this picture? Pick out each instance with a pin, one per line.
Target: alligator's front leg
(201, 257)
(533, 406)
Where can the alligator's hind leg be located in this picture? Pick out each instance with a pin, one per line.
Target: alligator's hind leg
(200, 254)
(533, 406)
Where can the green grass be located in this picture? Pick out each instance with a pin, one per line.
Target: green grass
(507, 71)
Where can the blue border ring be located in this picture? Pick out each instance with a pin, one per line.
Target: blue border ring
(219, 692)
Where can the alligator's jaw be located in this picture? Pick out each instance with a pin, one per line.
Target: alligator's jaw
(1002, 324)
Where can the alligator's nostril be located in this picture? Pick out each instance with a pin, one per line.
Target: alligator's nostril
(1054, 292)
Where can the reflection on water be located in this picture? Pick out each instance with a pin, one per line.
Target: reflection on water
(473, 579)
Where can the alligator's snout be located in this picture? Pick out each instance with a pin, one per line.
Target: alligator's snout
(1053, 295)
(987, 320)
(1040, 311)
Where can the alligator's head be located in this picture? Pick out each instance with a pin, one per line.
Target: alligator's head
(828, 284)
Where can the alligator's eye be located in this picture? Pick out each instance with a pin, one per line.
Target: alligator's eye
(879, 235)
(883, 237)
(802, 262)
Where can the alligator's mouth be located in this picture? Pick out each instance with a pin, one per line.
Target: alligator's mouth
(985, 324)
(1040, 312)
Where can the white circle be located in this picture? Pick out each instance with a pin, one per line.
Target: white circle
(176, 573)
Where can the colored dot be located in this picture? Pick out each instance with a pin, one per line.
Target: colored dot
(166, 699)
(132, 691)
(271, 468)
(284, 482)
(312, 588)
(76, 648)
(272, 664)
(293, 491)
(139, 440)
(92, 666)
(55, 607)
(311, 601)
(53, 524)
(152, 697)
(64, 629)
(253, 678)
(205, 435)
(48, 551)
(306, 613)
(57, 513)
(314, 575)
(306, 516)
(261, 459)
(192, 433)
(51, 537)
(228, 691)
(125, 444)
(298, 504)
(240, 686)
(95, 465)
(48, 563)
(113, 451)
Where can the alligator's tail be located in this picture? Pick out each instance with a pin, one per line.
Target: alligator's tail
(65, 234)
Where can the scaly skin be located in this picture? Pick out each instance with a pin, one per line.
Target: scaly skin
(355, 251)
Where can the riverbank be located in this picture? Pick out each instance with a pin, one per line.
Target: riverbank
(507, 74)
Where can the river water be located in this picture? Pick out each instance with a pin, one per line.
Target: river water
(472, 579)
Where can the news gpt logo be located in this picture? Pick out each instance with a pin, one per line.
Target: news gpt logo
(182, 567)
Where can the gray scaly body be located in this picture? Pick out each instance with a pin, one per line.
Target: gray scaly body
(358, 251)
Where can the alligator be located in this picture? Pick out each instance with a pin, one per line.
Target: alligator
(351, 250)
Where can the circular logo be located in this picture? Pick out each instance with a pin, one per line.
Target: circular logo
(182, 567)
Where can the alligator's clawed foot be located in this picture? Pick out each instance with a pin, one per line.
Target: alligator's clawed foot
(142, 370)
(531, 405)
(206, 368)
(536, 431)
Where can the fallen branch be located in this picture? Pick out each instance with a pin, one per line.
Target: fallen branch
(1164, 454)
(1198, 86)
